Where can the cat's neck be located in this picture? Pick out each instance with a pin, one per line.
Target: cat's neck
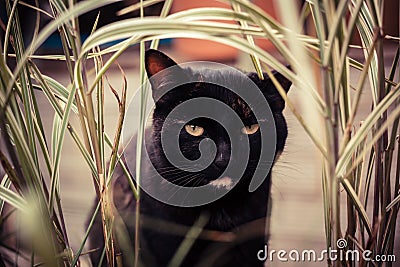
(225, 214)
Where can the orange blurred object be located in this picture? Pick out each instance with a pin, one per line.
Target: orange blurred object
(268, 7)
(197, 49)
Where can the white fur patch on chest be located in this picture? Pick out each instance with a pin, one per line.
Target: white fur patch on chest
(224, 182)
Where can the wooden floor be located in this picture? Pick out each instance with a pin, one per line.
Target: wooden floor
(297, 215)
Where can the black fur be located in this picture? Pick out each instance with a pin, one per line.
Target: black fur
(235, 228)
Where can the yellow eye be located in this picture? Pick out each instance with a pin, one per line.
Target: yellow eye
(194, 130)
(251, 129)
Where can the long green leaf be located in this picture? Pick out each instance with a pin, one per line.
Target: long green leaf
(60, 142)
(357, 204)
(77, 10)
(365, 128)
(13, 199)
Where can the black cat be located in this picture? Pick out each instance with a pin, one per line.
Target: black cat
(233, 226)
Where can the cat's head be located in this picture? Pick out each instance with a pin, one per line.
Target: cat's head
(173, 85)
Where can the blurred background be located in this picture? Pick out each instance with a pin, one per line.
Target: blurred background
(297, 216)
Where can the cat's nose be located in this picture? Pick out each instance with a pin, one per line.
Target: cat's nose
(223, 155)
(221, 161)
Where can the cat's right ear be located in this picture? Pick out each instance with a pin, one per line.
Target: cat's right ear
(156, 61)
(164, 74)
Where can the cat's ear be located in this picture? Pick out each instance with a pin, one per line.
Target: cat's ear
(269, 90)
(156, 61)
(279, 103)
(164, 74)
(284, 82)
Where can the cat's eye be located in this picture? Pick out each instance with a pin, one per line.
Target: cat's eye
(194, 130)
(250, 129)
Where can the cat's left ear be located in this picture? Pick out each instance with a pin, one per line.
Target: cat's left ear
(278, 102)
(269, 90)
(285, 82)
(267, 86)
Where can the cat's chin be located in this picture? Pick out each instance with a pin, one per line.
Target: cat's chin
(222, 183)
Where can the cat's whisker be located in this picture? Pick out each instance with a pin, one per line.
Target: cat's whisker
(188, 170)
(185, 176)
(197, 182)
(187, 182)
(170, 170)
(182, 178)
